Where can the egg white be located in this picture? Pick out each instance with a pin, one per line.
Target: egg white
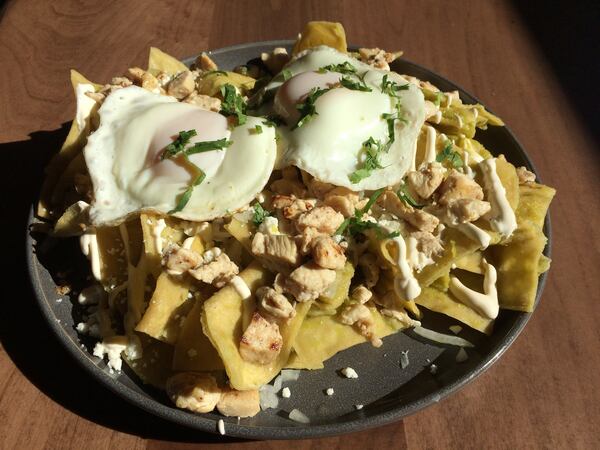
(126, 181)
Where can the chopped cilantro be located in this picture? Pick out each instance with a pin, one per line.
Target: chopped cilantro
(345, 68)
(392, 88)
(353, 85)
(405, 196)
(286, 74)
(178, 144)
(260, 214)
(257, 129)
(207, 146)
(373, 150)
(307, 108)
(449, 155)
(438, 98)
(233, 104)
(185, 197)
(355, 225)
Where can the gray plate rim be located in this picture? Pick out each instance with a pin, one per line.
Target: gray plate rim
(296, 431)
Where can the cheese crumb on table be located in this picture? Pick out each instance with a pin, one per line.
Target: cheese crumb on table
(329, 391)
(349, 372)
(286, 393)
(221, 427)
(358, 407)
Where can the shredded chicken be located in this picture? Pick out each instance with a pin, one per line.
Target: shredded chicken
(279, 248)
(361, 294)
(182, 85)
(308, 281)
(322, 218)
(197, 392)
(360, 316)
(274, 303)
(328, 254)
(464, 210)
(234, 403)
(427, 243)
(456, 186)
(426, 180)
(179, 260)
(261, 342)
(525, 176)
(417, 218)
(307, 238)
(203, 101)
(343, 200)
(217, 272)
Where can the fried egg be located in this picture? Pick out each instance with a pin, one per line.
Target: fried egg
(123, 157)
(330, 145)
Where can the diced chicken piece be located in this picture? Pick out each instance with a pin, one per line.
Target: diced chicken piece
(135, 74)
(164, 78)
(377, 58)
(464, 210)
(150, 83)
(179, 260)
(98, 97)
(319, 188)
(428, 244)
(308, 281)
(417, 218)
(203, 101)
(121, 82)
(205, 62)
(420, 83)
(525, 176)
(217, 272)
(261, 342)
(197, 392)
(360, 316)
(276, 59)
(274, 303)
(456, 186)
(182, 85)
(427, 179)
(343, 200)
(328, 254)
(370, 269)
(291, 206)
(285, 186)
(278, 248)
(323, 218)
(307, 238)
(361, 294)
(234, 403)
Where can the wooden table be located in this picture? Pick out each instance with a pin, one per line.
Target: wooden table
(544, 392)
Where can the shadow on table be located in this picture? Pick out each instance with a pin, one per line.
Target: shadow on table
(24, 333)
(568, 33)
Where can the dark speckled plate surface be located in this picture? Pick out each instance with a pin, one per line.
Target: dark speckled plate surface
(387, 391)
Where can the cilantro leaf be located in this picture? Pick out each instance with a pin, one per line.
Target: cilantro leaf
(345, 68)
(449, 155)
(307, 108)
(178, 144)
(257, 129)
(286, 74)
(260, 214)
(207, 146)
(392, 88)
(185, 197)
(233, 104)
(348, 83)
(404, 195)
(373, 150)
(438, 98)
(355, 224)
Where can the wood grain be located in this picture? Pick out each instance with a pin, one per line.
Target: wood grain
(543, 393)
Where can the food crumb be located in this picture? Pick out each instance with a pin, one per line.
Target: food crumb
(433, 369)
(329, 391)
(358, 407)
(58, 300)
(286, 393)
(349, 372)
(455, 328)
(404, 362)
(63, 290)
(462, 355)
(221, 427)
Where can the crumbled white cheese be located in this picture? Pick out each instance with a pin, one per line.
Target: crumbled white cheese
(329, 391)
(349, 372)
(359, 406)
(269, 226)
(82, 328)
(221, 427)
(298, 416)
(91, 295)
(455, 328)
(462, 355)
(404, 362)
(433, 369)
(286, 393)
(112, 349)
(59, 300)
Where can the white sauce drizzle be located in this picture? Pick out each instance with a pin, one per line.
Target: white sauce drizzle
(437, 118)
(430, 147)
(468, 171)
(449, 98)
(460, 121)
(405, 284)
(89, 247)
(416, 259)
(157, 230)
(187, 244)
(241, 287)
(501, 217)
(475, 113)
(413, 161)
(475, 233)
(486, 303)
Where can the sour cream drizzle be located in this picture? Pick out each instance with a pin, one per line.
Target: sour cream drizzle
(241, 287)
(430, 147)
(502, 217)
(486, 303)
(405, 284)
(157, 230)
(89, 247)
(187, 244)
(475, 233)
(416, 259)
